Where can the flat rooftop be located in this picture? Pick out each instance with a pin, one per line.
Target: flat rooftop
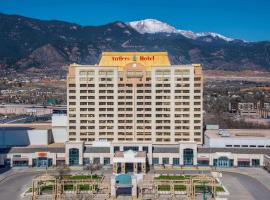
(239, 133)
(208, 150)
(54, 148)
(32, 126)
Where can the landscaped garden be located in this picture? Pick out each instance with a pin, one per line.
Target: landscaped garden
(172, 177)
(181, 187)
(47, 186)
(82, 177)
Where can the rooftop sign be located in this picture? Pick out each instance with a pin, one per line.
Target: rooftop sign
(121, 59)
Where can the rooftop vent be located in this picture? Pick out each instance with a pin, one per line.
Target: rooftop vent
(223, 133)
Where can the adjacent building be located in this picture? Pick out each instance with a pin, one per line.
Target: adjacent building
(251, 109)
(237, 138)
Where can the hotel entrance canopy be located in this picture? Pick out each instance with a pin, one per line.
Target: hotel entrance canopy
(122, 159)
(129, 157)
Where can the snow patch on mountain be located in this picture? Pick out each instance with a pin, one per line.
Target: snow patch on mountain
(152, 26)
(156, 26)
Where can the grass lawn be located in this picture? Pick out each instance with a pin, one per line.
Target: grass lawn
(199, 188)
(81, 177)
(46, 188)
(178, 177)
(220, 189)
(167, 188)
(48, 185)
(29, 190)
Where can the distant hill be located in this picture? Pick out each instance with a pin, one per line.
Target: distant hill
(39, 44)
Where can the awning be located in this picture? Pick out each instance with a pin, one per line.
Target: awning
(60, 158)
(202, 159)
(243, 159)
(20, 159)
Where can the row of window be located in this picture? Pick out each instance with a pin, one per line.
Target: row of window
(111, 78)
(138, 121)
(157, 72)
(252, 146)
(138, 97)
(71, 85)
(158, 79)
(130, 138)
(139, 103)
(138, 115)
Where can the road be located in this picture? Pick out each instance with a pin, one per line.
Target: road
(12, 187)
(244, 187)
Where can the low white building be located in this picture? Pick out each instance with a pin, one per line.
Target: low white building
(237, 138)
(23, 135)
(34, 133)
(46, 145)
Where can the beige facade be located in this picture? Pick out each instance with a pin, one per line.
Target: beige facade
(135, 97)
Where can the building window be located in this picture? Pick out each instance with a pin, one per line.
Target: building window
(96, 160)
(73, 157)
(188, 156)
(155, 161)
(223, 162)
(116, 148)
(243, 163)
(255, 162)
(165, 161)
(86, 161)
(21, 163)
(145, 149)
(107, 161)
(175, 161)
(203, 162)
(126, 148)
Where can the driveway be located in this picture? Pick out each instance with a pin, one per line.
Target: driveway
(13, 186)
(244, 187)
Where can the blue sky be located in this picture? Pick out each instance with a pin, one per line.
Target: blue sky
(248, 20)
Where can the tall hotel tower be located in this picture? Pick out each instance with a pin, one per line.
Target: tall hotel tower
(135, 97)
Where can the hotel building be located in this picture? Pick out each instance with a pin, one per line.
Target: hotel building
(131, 111)
(135, 97)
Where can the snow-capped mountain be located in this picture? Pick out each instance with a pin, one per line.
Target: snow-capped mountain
(155, 26)
(57, 43)
(152, 26)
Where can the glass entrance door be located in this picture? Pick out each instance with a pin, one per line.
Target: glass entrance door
(73, 157)
(223, 162)
(42, 162)
(188, 156)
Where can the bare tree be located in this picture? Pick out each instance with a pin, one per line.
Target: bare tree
(92, 167)
(61, 171)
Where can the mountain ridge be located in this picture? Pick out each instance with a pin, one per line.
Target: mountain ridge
(50, 44)
(156, 26)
